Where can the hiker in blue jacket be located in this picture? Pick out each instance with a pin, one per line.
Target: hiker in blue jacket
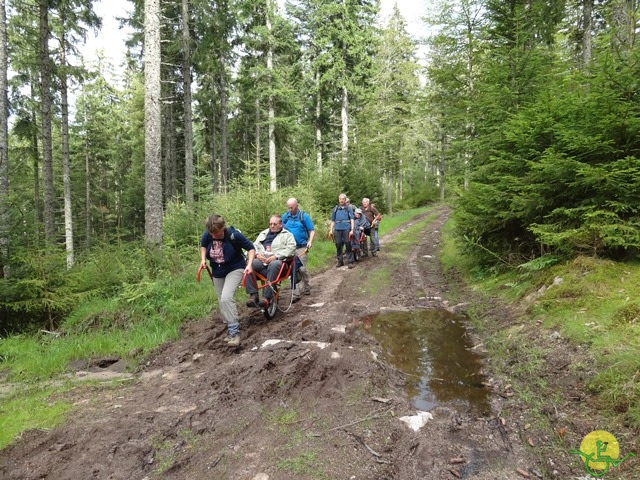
(341, 230)
(223, 247)
(300, 225)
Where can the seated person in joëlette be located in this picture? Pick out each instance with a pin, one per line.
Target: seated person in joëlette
(273, 245)
(362, 226)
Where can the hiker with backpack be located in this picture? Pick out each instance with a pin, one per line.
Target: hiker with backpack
(300, 225)
(223, 247)
(342, 222)
(273, 245)
(373, 216)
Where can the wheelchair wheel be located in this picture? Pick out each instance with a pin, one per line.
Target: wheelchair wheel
(285, 296)
(270, 312)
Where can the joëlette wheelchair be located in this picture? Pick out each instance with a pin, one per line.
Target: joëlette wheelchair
(283, 286)
(359, 247)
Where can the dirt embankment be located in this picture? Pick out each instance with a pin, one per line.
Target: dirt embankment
(320, 403)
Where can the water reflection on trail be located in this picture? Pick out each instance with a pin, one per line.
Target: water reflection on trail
(431, 347)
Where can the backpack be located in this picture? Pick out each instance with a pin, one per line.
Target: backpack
(234, 241)
(349, 209)
(300, 216)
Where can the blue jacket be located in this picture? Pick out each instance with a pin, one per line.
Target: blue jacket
(233, 258)
(342, 217)
(299, 225)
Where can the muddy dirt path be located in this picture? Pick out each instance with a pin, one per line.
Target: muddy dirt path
(307, 396)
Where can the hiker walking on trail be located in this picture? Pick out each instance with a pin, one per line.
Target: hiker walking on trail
(374, 217)
(341, 230)
(273, 245)
(223, 247)
(300, 225)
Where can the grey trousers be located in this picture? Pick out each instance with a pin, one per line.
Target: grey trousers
(303, 279)
(225, 290)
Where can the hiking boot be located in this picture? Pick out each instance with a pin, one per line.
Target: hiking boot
(234, 341)
(339, 264)
(350, 266)
(227, 339)
(373, 253)
(253, 301)
(306, 291)
(264, 303)
(365, 254)
(296, 298)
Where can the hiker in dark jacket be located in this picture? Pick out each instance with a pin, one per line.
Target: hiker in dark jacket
(342, 222)
(223, 247)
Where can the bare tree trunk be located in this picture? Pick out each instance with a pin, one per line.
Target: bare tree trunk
(152, 123)
(318, 125)
(470, 127)
(273, 186)
(224, 158)
(45, 106)
(587, 31)
(442, 166)
(188, 127)
(4, 147)
(258, 143)
(345, 124)
(215, 177)
(168, 138)
(623, 19)
(400, 179)
(37, 207)
(390, 192)
(87, 191)
(172, 154)
(66, 167)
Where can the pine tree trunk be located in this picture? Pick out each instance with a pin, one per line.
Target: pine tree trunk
(442, 165)
(215, 176)
(318, 125)
(188, 126)
(224, 159)
(272, 115)
(168, 139)
(623, 21)
(390, 192)
(66, 168)
(45, 107)
(152, 123)
(37, 206)
(587, 31)
(257, 141)
(87, 193)
(345, 124)
(4, 147)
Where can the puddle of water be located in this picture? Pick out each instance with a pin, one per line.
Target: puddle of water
(431, 347)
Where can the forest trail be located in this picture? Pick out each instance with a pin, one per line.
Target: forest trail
(308, 395)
